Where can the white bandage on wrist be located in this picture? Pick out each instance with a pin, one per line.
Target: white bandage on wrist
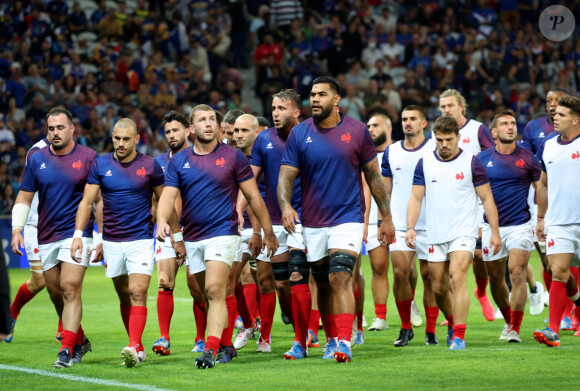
(178, 237)
(20, 215)
(78, 234)
(98, 239)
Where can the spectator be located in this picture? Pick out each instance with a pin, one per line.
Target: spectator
(371, 54)
(76, 68)
(335, 58)
(36, 112)
(35, 84)
(283, 12)
(238, 13)
(178, 35)
(164, 97)
(268, 47)
(15, 87)
(393, 51)
(199, 58)
(352, 105)
(109, 26)
(258, 25)
(99, 14)
(77, 20)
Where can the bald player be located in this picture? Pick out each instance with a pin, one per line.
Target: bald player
(474, 138)
(127, 180)
(228, 125)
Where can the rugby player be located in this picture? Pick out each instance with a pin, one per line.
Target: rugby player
(398, 167)
(511, 170)
(176, 127)
(474, 138)
(328, 152)
(451, 180)
(58, 173)
(208, 175)
(558, 199)
(127, 180)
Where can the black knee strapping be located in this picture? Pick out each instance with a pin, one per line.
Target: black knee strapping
(281, 272)
(320, 273)
(298, 264)
(478, 244)
(342, 262)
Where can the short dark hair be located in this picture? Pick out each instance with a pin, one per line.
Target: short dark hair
(570, 102)
(330, 81)
(174, 116)
(263, 121)
(416, 108)
(219, 118)
(58, 110)
(446, 125)
(500, 114)
(288, 94)
(232, 115)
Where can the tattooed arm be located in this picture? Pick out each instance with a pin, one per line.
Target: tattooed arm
(286, 180)
(382, 198)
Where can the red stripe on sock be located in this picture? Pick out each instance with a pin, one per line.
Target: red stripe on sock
(137, 322)
(164, 312)
(200, 315)
(228, 332)
(267, 311)
(381, 311)
(431, 314)
(344, 325)
(242, 306)
(516, 317)
(459, 331)
(507, 314)
(301, 304)
(23, 296)
(558, 301)
(404, 308)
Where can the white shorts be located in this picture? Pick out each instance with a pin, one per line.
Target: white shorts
(346, 236)
(439, 252)
(481, 212)
(512, 237)
(372, 237)
(51, 254)
(30, 235)
(164, 250)
(399, 244)
(220, 248)
(563, 239)
(123, 258)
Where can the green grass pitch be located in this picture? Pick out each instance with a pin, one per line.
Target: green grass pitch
(487, 363)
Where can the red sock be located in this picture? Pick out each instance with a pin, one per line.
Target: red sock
(137, 322)
(80, 336)
(301, 304)
(243, 307)
(507, 314)
(200, 320)
(59, 325)
(164, 312)
(344, 325)
(459, 331)
(404, 308)
(329, 326)
(431, 313)
(259, 301)
(359, 320)
(449, 319)
(558, 301)
(228, 332)
(516, 320)
(126, 314)
(381, 311)
(314, 320)
(286, 306)
(22, 297)
(413, 291)
(251, 300)
(481, 286)
(212, 343)
(267, 311)
(68, 340)
(547, 280)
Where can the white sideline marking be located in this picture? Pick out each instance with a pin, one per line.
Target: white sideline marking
(82, 379)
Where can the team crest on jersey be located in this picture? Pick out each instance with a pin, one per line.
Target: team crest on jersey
(220, 162)
(520, 163)
(576, 155)
(77, 165)
(460, 176)
(490, 164)
(42, 166)
(269, 146)
(109, 173)
(141, 172)
(346, 137)
(308, 140)
(465, 140)
(186, 165)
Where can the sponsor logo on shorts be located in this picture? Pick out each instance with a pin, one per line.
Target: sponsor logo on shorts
(218, 255)
(141, 172)
(485, 251)
(551, 243)
(145, 264)
(431, 250)
(394, 240)
(158, 250)
(463, 245)
(36, 251)
(351, 245)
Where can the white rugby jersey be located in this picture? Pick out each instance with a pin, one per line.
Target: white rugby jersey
(374, 214)
(475, 137)
(561, 162)
(400, 163)
(451, 203)
(33, 214)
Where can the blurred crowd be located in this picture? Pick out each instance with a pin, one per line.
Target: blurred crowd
(105, 60)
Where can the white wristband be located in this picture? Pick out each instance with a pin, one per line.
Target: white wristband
(98, 239)
(78, 234)
(19, 215)
(178, 237)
